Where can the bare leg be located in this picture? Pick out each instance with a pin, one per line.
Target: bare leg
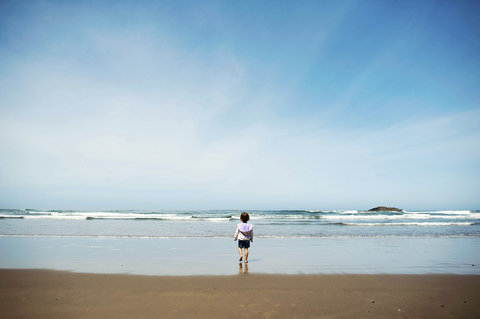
(240, 252)
(246, 255)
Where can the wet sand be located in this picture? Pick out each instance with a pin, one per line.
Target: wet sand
(56, 294)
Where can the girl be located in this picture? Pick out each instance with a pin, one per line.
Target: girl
(244, 234)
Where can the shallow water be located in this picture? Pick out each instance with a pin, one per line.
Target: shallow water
(219, 256)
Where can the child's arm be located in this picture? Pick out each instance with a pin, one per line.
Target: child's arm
(236, 234)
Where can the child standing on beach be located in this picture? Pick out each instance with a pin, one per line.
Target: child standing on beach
(244, 234)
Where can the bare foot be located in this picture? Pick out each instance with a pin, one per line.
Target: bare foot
(246, 261)
(241, 257)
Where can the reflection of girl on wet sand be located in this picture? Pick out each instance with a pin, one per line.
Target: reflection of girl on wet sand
(240, 269)
(244, 234)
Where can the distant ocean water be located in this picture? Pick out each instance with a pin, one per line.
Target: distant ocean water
(221, 223)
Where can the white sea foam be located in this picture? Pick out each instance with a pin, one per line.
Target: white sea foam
(346, 211)
(405, 216)
(351, 215)
(373, 217)
(412, 224)
(211, 219)
(275, 224)
(109, 215)
(64, 217)
(444, 212)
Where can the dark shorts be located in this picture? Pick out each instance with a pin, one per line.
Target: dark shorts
(244, 243)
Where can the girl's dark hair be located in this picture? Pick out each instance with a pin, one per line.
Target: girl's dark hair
(244, 217)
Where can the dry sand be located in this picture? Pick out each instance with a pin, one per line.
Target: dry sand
(56, 294)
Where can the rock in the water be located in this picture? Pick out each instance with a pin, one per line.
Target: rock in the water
(383, 208)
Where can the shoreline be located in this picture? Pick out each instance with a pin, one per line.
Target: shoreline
(59, 294)
(229, 237)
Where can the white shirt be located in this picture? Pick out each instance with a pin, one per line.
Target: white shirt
(244, 232)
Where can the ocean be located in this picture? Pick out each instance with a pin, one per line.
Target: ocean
(201, 242)
(221, 223)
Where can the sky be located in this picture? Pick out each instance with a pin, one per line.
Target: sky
(240, 104)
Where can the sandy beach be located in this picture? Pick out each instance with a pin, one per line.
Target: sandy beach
(57, 294)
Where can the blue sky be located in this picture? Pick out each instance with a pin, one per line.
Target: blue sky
(239, 104)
